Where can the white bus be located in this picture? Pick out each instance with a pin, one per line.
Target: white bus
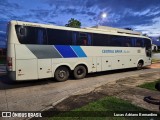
(37, 51)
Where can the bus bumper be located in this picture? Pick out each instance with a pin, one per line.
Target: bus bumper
(11, 75)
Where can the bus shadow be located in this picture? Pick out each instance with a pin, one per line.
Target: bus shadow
(6, 83)
(110, 72)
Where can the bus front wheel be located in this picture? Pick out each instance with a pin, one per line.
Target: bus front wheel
(61, 74)
(80, 72)
(139, 65)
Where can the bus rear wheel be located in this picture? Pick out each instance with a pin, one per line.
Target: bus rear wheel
(61, 74)
(80, 72)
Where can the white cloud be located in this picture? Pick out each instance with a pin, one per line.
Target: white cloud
(145, 12)
(151, 30)
(2, 32)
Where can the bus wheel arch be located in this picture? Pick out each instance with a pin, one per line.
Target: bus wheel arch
(62, 73)
(140, 64)
(80, 71)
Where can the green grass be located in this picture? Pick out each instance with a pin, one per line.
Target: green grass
(155, 60)
(2, 60)
(108, 104)
(156, 51)
(150, 85)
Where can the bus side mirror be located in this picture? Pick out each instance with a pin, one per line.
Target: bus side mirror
(157, 86)
(22, 31)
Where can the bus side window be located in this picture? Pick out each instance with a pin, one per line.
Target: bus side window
(117, 40)
(89, 39)
(59, 37)
(82, 39)
(31, 35)
(74, 38)
(133, 40)
(127, 42)
(101, 39)
(41, 36)
(139, 42)
(147, 44)
(21, 32)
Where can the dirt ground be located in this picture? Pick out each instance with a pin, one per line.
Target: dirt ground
(123, 88)
(155, 65)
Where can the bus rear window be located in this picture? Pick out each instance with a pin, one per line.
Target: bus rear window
(31, 35)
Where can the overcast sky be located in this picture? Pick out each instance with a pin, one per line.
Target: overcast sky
(142, 15)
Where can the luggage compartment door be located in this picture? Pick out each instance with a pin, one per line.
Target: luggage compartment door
(106, 63)
(99, 67)
(44, 68)
(26, 69)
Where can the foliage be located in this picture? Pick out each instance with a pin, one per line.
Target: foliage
(73, 23)
(145, 35)
(129, 29)
(150, 85)
(2, 60)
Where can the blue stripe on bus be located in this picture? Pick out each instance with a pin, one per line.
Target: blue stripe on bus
(79, 51)
(65, 51)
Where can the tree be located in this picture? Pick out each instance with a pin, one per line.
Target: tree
(73, 23)
(145, 35)
(128, 29)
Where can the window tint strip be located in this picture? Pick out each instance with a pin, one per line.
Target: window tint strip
(65, 51)
(43, 51)
(79, 51)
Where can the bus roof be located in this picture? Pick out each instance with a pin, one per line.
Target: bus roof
(118, 30)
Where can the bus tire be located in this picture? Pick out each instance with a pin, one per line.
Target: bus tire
(80, 72)
(139, 65)
(61, 74)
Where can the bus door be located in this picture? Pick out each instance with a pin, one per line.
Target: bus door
(96, 64)
(148, 47)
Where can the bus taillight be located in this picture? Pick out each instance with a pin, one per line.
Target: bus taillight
(9, 63)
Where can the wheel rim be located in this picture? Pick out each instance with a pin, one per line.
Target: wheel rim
(139, 65)
(80, 71)
(62, 74)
